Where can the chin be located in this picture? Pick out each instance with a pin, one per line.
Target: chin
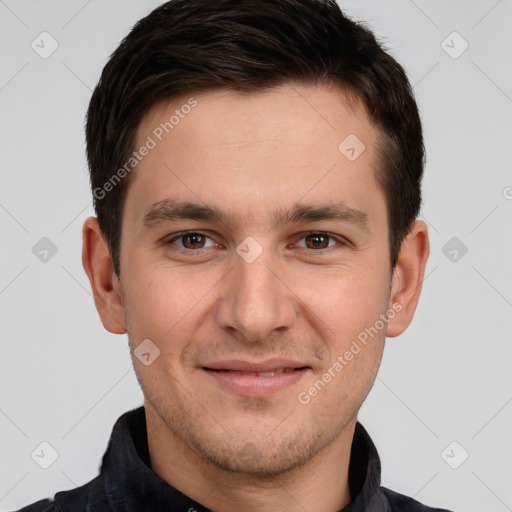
(261, 453)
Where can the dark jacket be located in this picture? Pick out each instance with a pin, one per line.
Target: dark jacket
(126, 482)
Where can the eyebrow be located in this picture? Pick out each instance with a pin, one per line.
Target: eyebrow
(169, 210)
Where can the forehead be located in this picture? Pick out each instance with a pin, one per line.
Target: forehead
(247, 151)
(233, 117)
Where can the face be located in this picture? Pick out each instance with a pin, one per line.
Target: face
(252, 244)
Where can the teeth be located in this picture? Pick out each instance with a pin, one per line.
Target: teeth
(263, 374)
(268, 374)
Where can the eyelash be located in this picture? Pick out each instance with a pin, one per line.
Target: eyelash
(342, 242)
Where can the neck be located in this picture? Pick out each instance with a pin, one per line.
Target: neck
(321, 484)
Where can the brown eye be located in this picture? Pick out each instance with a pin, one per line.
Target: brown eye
(191, 241)
(317, 241)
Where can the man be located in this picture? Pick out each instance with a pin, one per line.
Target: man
(256, 170)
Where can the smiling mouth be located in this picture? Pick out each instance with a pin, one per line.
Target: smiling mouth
(250, 383)
(258, 374)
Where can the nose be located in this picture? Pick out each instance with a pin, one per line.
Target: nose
(255, 299)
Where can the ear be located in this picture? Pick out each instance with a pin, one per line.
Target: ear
(99, 267)
(408, 278)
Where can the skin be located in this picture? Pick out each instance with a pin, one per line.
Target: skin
(248, 154)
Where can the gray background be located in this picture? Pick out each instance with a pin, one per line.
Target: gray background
(65, 380)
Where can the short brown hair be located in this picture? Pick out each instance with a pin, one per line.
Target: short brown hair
(189, 46)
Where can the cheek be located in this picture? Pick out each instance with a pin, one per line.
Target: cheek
(346, 300)
(166, 300)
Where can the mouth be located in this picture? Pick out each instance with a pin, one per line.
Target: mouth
(259, 374)
(256, 379)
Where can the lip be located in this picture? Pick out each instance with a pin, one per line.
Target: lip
(245, 383)
(268, 365)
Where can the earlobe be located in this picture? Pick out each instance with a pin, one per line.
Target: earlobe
(99, 268)
(408, 278)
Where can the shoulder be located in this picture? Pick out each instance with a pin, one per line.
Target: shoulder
(401, 503)
(40, 506)
(87, 497)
